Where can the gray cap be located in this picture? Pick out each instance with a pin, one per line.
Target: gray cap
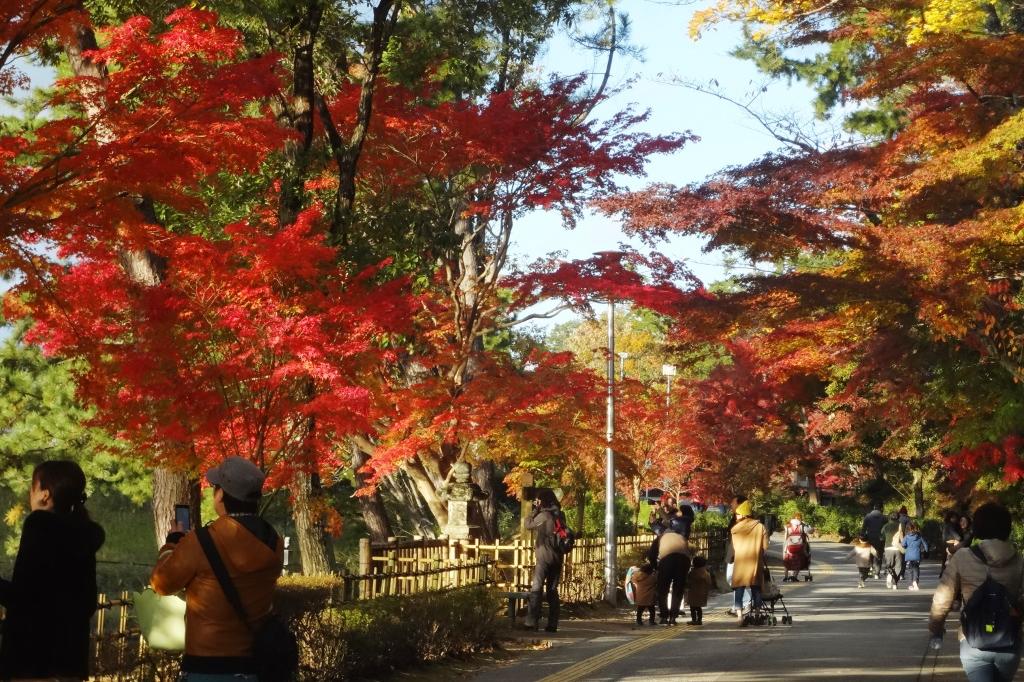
(240, 478)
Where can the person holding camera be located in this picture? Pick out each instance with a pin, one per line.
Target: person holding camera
(547, 512)
(218, 642)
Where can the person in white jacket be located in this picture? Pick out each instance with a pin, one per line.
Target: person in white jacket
(965, 570)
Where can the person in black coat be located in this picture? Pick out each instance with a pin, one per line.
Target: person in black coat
(548, 571)
(51, 596)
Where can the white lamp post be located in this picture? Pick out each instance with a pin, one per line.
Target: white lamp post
(668, 371)
(611, 586)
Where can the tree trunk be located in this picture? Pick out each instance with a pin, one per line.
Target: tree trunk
(484, 475)
(410, 504)
(581, 510)
(919, 509)
(812, 487)
(314, 548)
(375, 516)
(428, 491)
(172, 487)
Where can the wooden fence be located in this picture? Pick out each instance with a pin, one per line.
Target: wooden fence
(512, 561)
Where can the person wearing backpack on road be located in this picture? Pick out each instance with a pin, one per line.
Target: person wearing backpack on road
(990, 578)
(545, 520)
(219, 645)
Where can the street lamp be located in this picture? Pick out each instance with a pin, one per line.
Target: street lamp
(668, 371)
(623, 356)
(610, 572)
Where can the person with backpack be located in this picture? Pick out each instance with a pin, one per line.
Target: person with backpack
(229, 571)
(796, 553)
(552, 541)
(51, 596)
(989, 577)
(915, 548)
(669, 554)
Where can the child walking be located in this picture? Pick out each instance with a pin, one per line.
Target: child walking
(915, 547)
(864, 555)
(645, 591)
(698, 585)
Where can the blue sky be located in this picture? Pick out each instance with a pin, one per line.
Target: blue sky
(728, 135)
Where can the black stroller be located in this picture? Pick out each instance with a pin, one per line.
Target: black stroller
(768, 611)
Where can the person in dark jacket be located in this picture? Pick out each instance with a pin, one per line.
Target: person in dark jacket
(548, 570)
(951, 538)
(670, 554)
(871, 528)
(51, 596)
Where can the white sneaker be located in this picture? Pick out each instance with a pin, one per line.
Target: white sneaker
(888, 579)
(914, 586)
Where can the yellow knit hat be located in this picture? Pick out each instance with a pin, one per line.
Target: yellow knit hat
(744, 509)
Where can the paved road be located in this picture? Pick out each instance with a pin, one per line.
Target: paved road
(839, 633)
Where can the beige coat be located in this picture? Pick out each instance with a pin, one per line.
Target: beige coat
(645, 588)
(749, 543)
(965, 572)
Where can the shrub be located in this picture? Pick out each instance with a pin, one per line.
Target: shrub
(710, 520)
(349, 640)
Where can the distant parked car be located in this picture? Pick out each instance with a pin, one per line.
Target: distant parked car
(651, 495)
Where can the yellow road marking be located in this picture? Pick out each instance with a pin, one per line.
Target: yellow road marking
(580, 671)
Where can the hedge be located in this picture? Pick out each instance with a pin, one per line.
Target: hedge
(342, 641)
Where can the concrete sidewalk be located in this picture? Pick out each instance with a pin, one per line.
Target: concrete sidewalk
(839, 632)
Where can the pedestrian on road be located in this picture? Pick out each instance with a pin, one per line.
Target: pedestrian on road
(993, 556)
(664, 513)
(893, 534)
(218, 643)
(951, 538)
(548, 571)
(871, 528)
(669, 554)
(645, 592)
(698, 586)
(864, 555)
(749, 544)
(916, 548)
(966, 532)
(51, 595)
(904, 518)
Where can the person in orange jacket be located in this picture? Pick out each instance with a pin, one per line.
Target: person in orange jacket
(218, 645)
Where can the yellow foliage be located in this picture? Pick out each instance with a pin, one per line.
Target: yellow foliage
(14, 514)
(766, 13)
(947, 16)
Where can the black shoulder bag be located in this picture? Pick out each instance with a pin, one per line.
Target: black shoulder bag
(274, 648)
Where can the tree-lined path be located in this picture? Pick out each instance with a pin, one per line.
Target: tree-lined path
(839, 632)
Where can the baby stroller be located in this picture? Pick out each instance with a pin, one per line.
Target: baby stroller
(796, 555)
(767, 612)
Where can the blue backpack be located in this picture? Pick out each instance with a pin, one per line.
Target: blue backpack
(990, 620)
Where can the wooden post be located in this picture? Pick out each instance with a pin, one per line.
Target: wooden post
(365, 554)
(525, 506)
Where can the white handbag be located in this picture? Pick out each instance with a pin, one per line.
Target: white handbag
(161, 619)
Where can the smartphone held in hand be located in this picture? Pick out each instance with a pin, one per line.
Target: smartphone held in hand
(183, 517)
